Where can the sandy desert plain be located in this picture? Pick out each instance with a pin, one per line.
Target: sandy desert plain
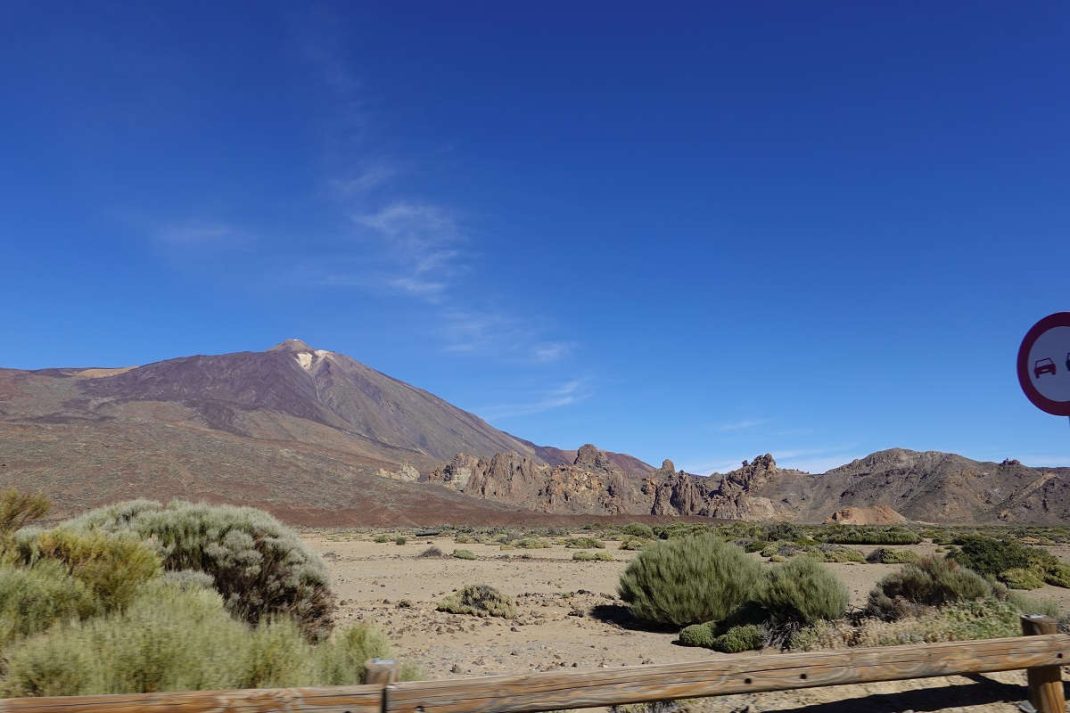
(570, 618)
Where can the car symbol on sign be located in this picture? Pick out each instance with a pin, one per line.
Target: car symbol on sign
(1045, 366)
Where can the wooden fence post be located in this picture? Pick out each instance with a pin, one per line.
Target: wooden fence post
(382, 671)
(1045, 682)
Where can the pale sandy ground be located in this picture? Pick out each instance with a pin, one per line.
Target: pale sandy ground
(392, 586)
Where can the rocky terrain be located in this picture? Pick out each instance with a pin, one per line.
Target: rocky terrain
(884, 488)
(317, 437)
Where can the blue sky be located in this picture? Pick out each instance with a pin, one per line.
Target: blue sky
(691, 230)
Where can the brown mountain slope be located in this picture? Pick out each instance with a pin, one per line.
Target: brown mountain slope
(293, 429)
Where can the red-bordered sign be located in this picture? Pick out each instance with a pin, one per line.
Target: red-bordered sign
(1044, 364)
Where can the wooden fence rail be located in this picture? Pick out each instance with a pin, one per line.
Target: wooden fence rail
(1041, 653)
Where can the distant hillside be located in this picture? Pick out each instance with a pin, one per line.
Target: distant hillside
(299, 430)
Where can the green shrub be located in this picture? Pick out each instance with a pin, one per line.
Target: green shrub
(688, 581)
(633, 544)
(803, 591)
(463, 539)
(464, 554)
(839, 553)
(532, 543)
(113, 567)
(1022, 578)
(751, 545)
(400, 540)
(381, 539)
(638, 529)
(931, 582)
(261, 567)
(784, 531)
(585, 556)
(701, 635)
(341, 659)
(989, 556)
(1058, 576)
(868, 535)
(961, 621)
(584, 543)
(172, 639)
(33, 599)
(749, 637)
(479, 600)
(888, 555)
(20, 509)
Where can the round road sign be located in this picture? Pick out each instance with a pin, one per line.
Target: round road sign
(1044, 364)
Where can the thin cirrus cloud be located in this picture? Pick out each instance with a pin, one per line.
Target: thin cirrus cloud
(741, 425)
(569, 393)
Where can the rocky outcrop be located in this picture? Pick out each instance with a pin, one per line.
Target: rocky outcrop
(594, 484)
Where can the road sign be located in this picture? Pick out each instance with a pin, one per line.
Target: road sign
(1044, 364)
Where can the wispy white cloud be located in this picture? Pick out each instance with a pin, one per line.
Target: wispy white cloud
(200, 234)
(741, 425)
(473, 331)
(568, 393)
(368, 178)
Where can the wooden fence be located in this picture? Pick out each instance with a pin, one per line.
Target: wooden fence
(1041, 652)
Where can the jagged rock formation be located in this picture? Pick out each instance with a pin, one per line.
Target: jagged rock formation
(883, 488)
(593, 484)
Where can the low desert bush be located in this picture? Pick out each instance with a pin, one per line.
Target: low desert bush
(259, 566)
(432, 552)
(837, 553)
(989, 556)
(585, 556)
(868, 535)
(171, 639)
(400, 540)
(584, 543)
(32, 599)
(464, 554)
(382, 539)
(930, 582)
(112, 567)
(633, 544)
(889, 555)
(638, 529)
(17, 510)
(1058, 575)
(689, 581)
(748, 637)
(532, 543)
(1022, 578)
(479, 600)
(802, 591)
(962, 621)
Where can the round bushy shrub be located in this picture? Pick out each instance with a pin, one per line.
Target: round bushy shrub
(1058, 576)
(803, 591)
(701, 635)
(1022, 578)
(32, 599)
(638, 529)
(688, 581)
(931, 582)
(172, 638)
(989, 556)
(464, 554)
(889, 555)
(112, 566)
(748, 637)
(479, 600)
(259, 566)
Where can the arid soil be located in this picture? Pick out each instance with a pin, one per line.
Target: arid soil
(570, 618)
